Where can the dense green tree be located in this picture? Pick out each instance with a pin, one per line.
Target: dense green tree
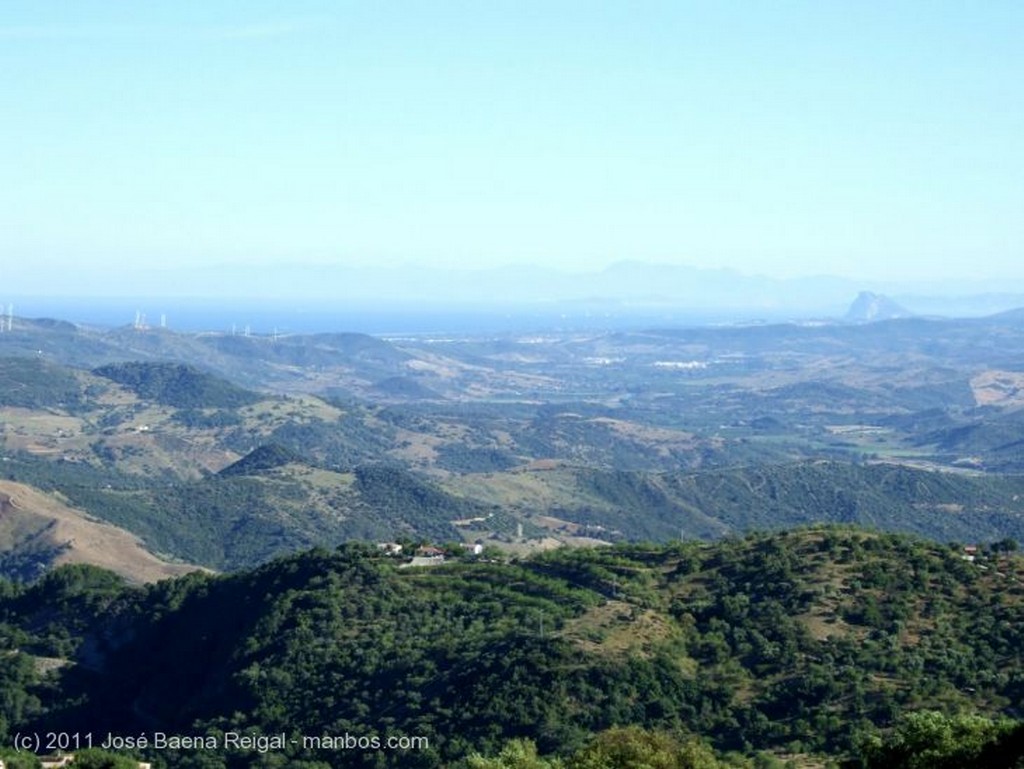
(13, 759)
(517, 754)
(934, 740)
(632, 747)
(18, 702)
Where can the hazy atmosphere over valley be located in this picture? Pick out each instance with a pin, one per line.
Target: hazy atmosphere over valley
(506, 385)
(256, 151)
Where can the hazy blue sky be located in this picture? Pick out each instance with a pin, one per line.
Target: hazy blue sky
(865, 139)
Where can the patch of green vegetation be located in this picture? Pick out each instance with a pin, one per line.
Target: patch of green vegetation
(206, 419)
(939, 505)
(412, 503)
(177, 384)
(33, 383)
(265, 457)
(342, 444)
(815, 641)
(456, 457)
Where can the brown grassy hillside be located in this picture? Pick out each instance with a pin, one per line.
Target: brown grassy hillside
(33, 522)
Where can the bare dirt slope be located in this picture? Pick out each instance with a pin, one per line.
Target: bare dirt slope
(999, 388)
(32, 520)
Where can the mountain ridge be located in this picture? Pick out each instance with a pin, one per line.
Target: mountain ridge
(804, 641)
(399, 287)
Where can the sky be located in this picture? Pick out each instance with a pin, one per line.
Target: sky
(871, 140)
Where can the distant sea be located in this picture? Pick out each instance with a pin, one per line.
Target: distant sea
(271, 316)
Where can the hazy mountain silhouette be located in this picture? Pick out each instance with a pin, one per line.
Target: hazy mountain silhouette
(869, 307)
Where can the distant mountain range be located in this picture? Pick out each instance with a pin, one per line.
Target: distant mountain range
(292, 293)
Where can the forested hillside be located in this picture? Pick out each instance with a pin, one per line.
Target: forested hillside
(176, 384)
(813, 642)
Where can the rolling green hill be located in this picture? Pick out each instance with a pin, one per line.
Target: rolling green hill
(32, 383)
(801, 642)
(177, 384)
(265, 505)
(607, 436)
(616, 505)
(295, 362)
